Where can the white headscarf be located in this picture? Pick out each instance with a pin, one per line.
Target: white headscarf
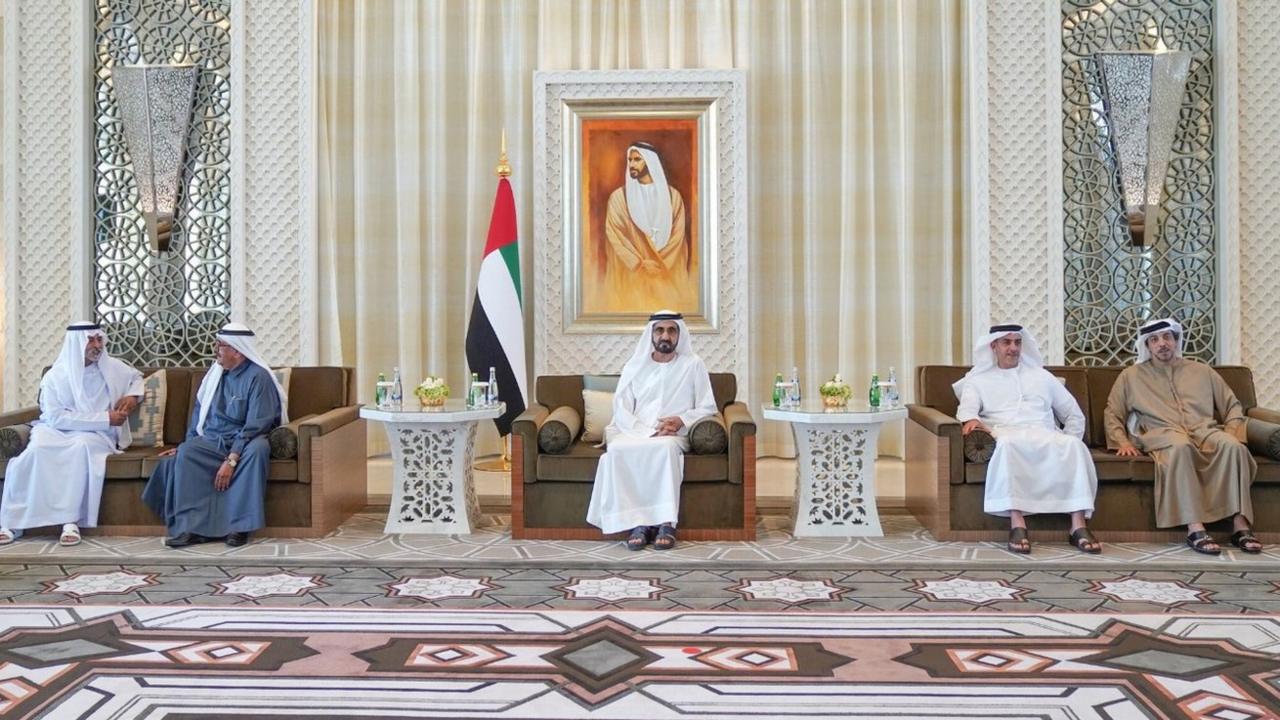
(984, 358)
(649, 205)
(644, 347)
(241, 338)
(67, 372)
(1140, 345)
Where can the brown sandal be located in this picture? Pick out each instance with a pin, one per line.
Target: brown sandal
(1082, 535)
(1247, 541)
(1200, 542)
(1018, 542)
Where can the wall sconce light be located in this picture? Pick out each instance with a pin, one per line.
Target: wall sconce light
(155, 104)
(1142, 92)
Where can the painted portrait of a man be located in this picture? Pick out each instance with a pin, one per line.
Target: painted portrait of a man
(640, 248)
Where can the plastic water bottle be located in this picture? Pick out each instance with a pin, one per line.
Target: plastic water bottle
(397, 391)
(380, 392)
(873, 395)
(493, 388)
(795, 387)
(777, 390)
(892, 400)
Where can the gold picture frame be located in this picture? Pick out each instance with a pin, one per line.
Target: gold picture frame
(584, 122)
(615, 276)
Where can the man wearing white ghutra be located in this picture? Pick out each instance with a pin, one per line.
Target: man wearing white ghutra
(663, 390)
(85, 402)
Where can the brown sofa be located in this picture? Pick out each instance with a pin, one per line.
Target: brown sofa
(945, 491)
(307, 495)
(550, 492)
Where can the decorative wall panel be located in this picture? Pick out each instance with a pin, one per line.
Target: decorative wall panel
(274, 87)
(40, 139)
(1019, 171)
(1112, 286)
(557, 352)
(1258, 38)
(163, 309)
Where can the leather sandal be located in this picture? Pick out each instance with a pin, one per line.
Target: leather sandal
(1018, 542)
(638, 538)
(1079, 536)
(666, 538)
(1247, 541)
(1200, 542)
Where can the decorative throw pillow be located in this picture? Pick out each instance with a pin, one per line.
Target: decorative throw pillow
(559, 430)
(1263, 438)
(708, 436)
(13, 440)
(146, 423)
(601, 383)
(598, 407)
(284, 439)
(979, 446)
(282, 376)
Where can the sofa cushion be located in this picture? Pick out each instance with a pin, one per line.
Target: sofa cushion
(578, 464)
(979, 446)
(556, 390)
(559, 430)
(146, 422)
(600, 383)
(708, 436)
(1264, 438)
(284, 439)
(598, 413)
(13, 440)
(277, 471)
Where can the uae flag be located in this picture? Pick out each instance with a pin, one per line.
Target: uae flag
(495, 337)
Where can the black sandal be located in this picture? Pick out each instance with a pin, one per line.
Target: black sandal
(666, 538)
(638, 538)
(1080, 535)
(1018, 542)
(1200, 542)
(1247, 541)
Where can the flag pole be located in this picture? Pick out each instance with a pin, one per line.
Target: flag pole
(503, 170)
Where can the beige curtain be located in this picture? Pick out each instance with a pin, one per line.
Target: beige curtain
(855, 133)
(8, 399)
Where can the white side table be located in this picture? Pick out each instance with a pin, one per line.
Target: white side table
(433, 451)
(835, 467)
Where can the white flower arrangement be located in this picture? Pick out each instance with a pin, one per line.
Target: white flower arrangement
(432, 391)
(835, 391)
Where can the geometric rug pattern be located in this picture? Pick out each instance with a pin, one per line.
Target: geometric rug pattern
(1012, 589)
(361, 540)
(126, 662)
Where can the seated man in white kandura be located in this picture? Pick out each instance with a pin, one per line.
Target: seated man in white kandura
(1036, 467)
(85, 401)
(664, 389)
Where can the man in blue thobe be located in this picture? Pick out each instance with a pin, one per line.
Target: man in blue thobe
(213, 485)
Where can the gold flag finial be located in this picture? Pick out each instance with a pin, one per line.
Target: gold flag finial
(504, 168)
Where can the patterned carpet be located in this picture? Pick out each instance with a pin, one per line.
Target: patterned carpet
(123, 662)
(362, 625)
(361, 541)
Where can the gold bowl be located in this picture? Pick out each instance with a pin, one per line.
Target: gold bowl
(835, 401)
(432, 402)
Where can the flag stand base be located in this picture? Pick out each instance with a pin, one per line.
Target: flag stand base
(501, 464)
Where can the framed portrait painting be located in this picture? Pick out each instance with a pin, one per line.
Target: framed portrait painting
(637, 193)
(639, 205)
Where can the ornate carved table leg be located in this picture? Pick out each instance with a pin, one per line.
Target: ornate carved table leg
(836, 480)
(434, 491)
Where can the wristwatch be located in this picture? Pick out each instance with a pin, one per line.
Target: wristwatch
(232, 460)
